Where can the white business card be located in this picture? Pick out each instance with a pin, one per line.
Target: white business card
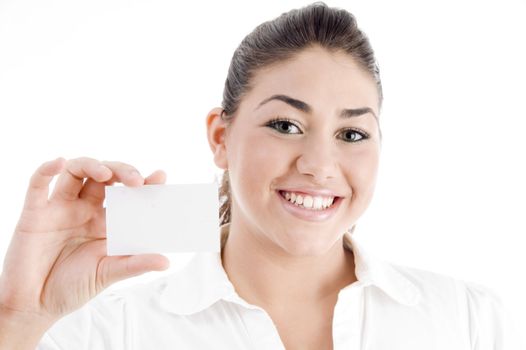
(162, 219)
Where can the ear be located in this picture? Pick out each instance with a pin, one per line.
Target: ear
(216, 132)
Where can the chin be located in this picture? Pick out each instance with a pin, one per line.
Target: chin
(300, 245)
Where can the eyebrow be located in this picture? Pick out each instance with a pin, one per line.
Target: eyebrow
(304, 107)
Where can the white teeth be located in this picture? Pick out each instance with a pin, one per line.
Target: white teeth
(299, 199)
(317, 202)
(309, 202)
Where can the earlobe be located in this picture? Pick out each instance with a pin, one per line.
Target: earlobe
(216, 133)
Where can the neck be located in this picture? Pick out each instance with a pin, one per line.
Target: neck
(264, 275)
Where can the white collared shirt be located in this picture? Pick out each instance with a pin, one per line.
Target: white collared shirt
(389, 307)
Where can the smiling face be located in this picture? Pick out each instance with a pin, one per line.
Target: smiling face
(307, 132)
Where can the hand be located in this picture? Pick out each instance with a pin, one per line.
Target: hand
(56, 261)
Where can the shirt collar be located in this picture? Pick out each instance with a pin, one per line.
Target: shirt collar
(203, 281)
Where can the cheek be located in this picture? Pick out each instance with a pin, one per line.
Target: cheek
(361, 169)
(255, 162)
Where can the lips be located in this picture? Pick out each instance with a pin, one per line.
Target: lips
(308, 214)
(308, 201)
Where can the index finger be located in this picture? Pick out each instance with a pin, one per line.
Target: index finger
(70, 182)
(38, 189)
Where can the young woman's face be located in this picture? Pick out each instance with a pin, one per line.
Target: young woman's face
(303, 145)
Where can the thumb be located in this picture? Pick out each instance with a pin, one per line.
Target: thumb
(118, 268)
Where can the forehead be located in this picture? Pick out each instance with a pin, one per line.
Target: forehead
(321, 78)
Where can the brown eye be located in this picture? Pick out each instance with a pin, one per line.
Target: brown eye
(351, 135)
(284, 126)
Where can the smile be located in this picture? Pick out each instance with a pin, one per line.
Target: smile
(308, 202)
(309, 207)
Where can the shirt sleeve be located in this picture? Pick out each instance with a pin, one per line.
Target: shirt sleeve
(490, 326)
(102, 323)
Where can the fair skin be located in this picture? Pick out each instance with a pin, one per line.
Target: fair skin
(276, 254)
(56, 261)
(293, 264)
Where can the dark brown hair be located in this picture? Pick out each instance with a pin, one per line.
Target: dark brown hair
(278, 40)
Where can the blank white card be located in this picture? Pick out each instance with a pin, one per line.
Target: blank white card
(162, 219)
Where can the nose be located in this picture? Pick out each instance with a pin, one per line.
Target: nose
(318, 159)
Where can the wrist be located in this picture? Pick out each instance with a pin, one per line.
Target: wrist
(21, 330)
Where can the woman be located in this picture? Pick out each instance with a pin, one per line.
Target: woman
(299, 139)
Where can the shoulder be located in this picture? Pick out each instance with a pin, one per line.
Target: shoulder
(435, 284)
(474, 308)
(429, 283)
(446, 289)
(491, 326)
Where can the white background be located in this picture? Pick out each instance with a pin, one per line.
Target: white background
(134, 80)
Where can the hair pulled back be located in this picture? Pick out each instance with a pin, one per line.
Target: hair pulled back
(280, 39)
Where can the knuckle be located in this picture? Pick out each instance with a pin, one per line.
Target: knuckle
(72, 164)
(113, 165)
(82, 161)
(119, 166)
(39, 170)
(34, 180)
(80, 167)
(87, 159)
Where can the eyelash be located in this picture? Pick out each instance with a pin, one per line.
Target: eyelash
(273, 122)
